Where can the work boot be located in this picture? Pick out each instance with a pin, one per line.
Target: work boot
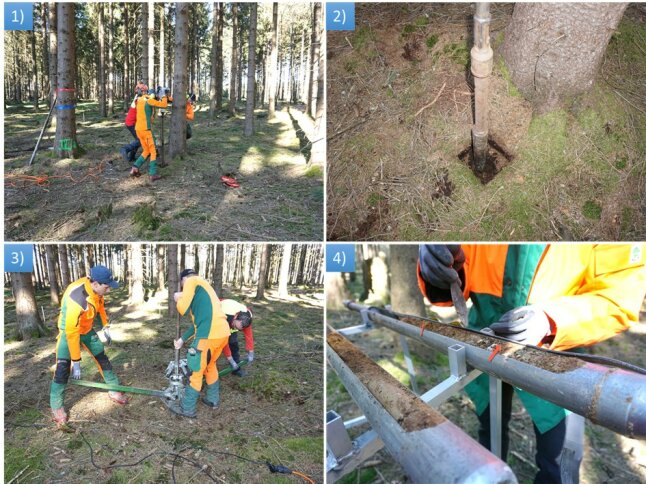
(154, 178)
(118, 397)
(125, 154)
(186, 406)
(60, 416)
(134, 171)
(177, 408)
(212, 397)
(239, 372)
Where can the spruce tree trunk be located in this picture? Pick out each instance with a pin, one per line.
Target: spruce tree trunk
(34, 76)
(173, 276)
(143, 72)
(101, 40)
(234, 60)
(111, 62)
(161, 280)
(283, 279)
(220, 64)
(554, 50)
(264, 271)
(66, 143)
(317, 155)
(151, 44)
(162, 53)
(251, 72)
(51, 271)
(126, 58)
(65, 267)
(273, 64)
(219, 268)
(137, 292)
(213, 85)
(53, 55)
(29, 323)
(177, 142)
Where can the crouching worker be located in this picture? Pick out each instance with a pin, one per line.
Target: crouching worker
(209, 333)
(82, 302)
(146, 105)
(239, 318)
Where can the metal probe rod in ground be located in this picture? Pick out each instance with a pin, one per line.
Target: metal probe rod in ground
(481, 67)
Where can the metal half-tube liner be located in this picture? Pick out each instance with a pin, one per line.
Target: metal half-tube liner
(428, 446)
(481, 67)
(611, 397)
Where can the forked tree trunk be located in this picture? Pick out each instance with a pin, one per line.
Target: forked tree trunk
(554, 50)
(66, 143)
(29, 323)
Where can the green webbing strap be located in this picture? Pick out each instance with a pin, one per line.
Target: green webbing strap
(141, 391)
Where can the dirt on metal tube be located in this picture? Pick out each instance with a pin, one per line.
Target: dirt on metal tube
(481, 67)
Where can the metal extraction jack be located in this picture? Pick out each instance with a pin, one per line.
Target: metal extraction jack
(481, 67)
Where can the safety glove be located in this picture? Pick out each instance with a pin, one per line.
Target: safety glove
(178, 343)
(233, 363)
(76, 370)
(107, 336)
(527, 325)
(249, 356)
(439, 264)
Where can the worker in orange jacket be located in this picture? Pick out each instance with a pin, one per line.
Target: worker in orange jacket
(190, 115)
(564, 296)
(82, 302)
(239, 318)
(146, 105)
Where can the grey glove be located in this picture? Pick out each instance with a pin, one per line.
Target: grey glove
(106, 335)
(439, 264)
(249, 356)
(76, 370)
(233, 363)
(527, 325)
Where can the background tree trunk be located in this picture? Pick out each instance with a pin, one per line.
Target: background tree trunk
(53, 55)
(284, 271)
(151, 44)
(29, 323)
(219, 269)
(111, 61)
(173, 276)
(51, 271)
(251, 72)
(234, 60)
(273, 64)
(161, 280)
(405, 297)
(177, 142)
(215, 52)
(34, 66)
(101, 41)
(137, 292)
(554, 50)
(264, 271)
(314, 60)
(65, 267)
(143, 73)
(162, 40)
(66, 143)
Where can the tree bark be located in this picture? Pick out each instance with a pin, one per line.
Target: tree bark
(53, 55)
(317, 155)
(34, 76)
(219, 268)
(161, 280)
(177, 142)
(151, 44)
(405, 296)
(51, 271)
(143, 73)
(314, 60)
(101, 41)
(273, 64)
(264, 271)
(66, 143)
(64, 264)
(554, 50)
(173, 276)
(251, 72)
(29, 323)
(137, 292)
(111, 62)
(284, 271)
(162, 53)
(215, 52)
(234, 60)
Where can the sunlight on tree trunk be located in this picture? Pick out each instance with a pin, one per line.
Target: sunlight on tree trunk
(30, 324)
(284, 271)
(251, 73)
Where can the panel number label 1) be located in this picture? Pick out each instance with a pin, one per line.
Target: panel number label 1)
(18, 16)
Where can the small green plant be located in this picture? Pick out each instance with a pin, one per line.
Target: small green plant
(431, 41)
(145, 218)
(374, 199)
(592, 210)
(458, 52)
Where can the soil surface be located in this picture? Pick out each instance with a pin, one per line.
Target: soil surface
(94, 198)
(274, 414)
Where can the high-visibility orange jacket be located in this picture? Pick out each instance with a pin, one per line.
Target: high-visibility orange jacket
(190, 114)
(231, 308)
(79, 307)
(590, 292)
(199, 299)
(146, 111)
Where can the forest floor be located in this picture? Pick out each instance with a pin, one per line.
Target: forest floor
(608, 457)
(400, 112)
(93, 197)
(273, 414)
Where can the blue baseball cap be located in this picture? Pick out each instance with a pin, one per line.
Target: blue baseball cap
(103, 275)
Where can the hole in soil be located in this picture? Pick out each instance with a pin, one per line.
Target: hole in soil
(498, 157)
